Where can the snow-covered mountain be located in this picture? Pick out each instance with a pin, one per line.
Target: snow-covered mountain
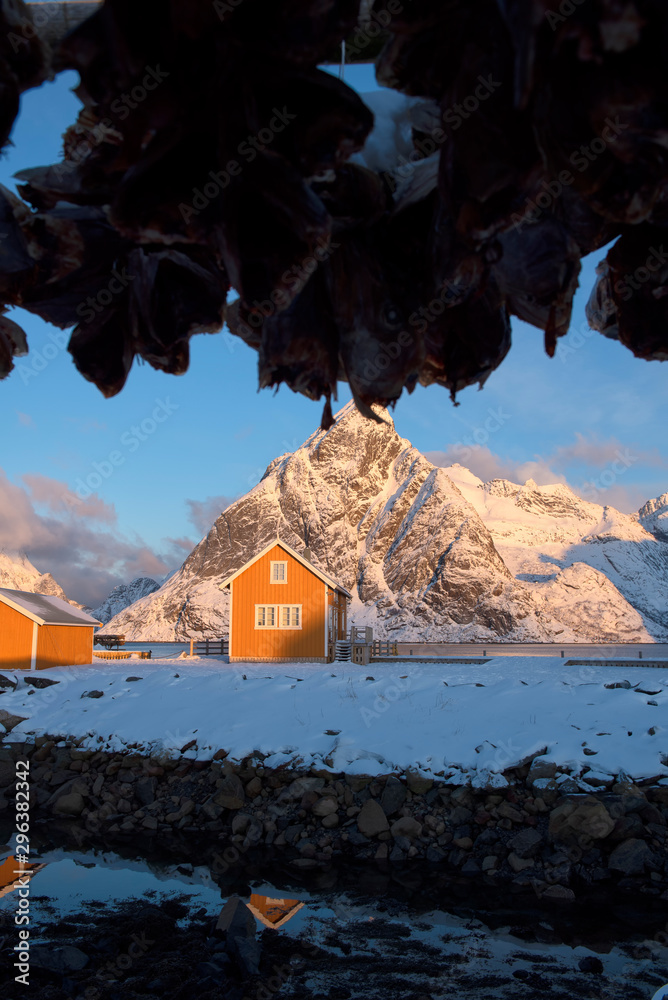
(123, 596)
(428, 553)
(18, 573)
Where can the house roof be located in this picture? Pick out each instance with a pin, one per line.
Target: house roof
(45, 609)
(273, 912)
(295, 555)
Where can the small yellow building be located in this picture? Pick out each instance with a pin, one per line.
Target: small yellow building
(38, 631)
(282, 607)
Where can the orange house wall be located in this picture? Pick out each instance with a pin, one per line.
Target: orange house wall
(254, 587)
(15, 639)
(62, 645)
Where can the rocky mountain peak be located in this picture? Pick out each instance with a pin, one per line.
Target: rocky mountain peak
(427, 552)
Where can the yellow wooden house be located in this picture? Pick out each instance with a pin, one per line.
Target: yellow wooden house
(282, 607)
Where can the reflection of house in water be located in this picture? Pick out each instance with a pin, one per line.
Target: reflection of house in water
(12, 871)
(273, 912)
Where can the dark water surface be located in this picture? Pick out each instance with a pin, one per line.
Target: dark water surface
(352, 931)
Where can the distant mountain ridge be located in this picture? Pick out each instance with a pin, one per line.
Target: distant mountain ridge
(18, 573)
(428, 553)
(123, 596)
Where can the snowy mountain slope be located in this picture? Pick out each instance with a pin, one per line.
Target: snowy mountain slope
(123, 596)
(428, 553)
(654, 517)
(18, 573)
(543, 531)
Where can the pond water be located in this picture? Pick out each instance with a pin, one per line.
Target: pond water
(352, 931)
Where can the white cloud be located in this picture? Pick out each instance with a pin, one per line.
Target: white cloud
(78, 541)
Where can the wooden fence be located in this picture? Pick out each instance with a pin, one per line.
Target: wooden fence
(209, 647)
(384, 647)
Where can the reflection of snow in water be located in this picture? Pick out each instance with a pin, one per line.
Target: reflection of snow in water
(72, 881)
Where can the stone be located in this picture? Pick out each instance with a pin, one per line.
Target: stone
(489, 862)
(590, 963)
(9, 720)
(525, 844)
(541, 768)
(406, 826)
(558, 892)
(248, 954)
(471, 868)
(507, 811)
(460, 815)
(72, 804)
(434, 855)
(231, 794)
(297, 788)
(393, 797)
(61, 959)
(145, 790)
(465, 843)
(254, 787)
(150, 823)
(240, 822)
(254, 833)
(325, 806)
(371, 820)
(631, 857)
(417, 783)
(357, 838)
(93, 694)
(40, 682)
(573, 818)
(519, 864)
(7, 682)
(357, 782)
(331, 821)
(235, 919)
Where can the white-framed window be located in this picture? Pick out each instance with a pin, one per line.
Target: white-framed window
(279, 571)
(290, 616)
(265, 616)
(278, 616)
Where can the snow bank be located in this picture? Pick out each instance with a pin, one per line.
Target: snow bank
(441, 718)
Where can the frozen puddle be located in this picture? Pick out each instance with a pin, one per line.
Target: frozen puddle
(338, 943)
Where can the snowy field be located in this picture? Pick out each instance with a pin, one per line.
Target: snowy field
(462, 721)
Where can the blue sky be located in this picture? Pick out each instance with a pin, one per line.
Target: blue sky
(565, 419)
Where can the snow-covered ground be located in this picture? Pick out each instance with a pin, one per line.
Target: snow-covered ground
(462, 721)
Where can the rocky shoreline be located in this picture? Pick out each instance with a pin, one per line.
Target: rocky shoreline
(539, 832)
